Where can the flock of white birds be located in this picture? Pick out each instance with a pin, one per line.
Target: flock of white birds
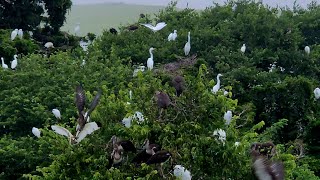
(179, 171)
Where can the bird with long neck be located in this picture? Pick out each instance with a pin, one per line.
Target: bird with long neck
(187, 46)
(150, 61)
(216, 88)
(4, 66)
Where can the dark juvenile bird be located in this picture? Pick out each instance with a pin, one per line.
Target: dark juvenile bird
(146, 153)
(264, 168)
(159, 158)
(113, 31)
(80, 104)
(132, 27)
(178, 84)
(163, 101)
(115, 157)
(123, 145)
(142, 15)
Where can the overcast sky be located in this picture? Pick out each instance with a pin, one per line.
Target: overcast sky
(198, 4)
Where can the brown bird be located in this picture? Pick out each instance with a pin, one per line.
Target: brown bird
(178, 84)
(265, 169)
(163, 101)
(115, 157)
(159, 158)
(146, 153)
(80, 104)
(123, 145)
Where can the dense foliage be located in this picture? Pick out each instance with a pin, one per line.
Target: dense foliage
(275, 105)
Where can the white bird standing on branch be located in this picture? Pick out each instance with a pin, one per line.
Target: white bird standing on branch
(20, 33)
(317, 93)
(150, 61)
(36, 132)
(4, 66)
(156, 28)
(181, 173)
(216, 88)
(187, 46)
(56, 113)
(307, 49)
(49, 45)
(172, 36)
(243, 48)
(14, 34)
(14, 63)
(227, 116)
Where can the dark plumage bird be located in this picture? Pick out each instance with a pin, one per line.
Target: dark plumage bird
(163, 101)
(178, 84)
(146, 153)
(113, 31)
(159, 158)
(142, 15)
(132, 27)
(265, 169)
(80, 104)
(123, 145)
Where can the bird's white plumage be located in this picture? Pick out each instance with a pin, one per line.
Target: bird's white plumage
(156, 28)
(36, 132)
(61, 130)
(138, 116)
(172, 36)
(221, 134)
(216, 87)
(150, 61)
(316, 93)
(56, 113)
(127, 122)
(227, 117)
(140, 68)
(88, 129)
(130, 94)
(307, 49)
(14, 63)
(14, 34)
(4, 66)
(225, 93)
(187, 46)
(49, 45)
(243, 48)
(84, 45)
(20, 33)
(237, 144)
(181, 173)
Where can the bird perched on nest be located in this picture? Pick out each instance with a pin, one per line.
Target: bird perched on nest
(178, 84)
(163, 101)
(264, 168)
(146, 153)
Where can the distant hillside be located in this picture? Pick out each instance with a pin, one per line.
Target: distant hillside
(95, 18)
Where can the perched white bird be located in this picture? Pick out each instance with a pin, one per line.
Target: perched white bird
(172, 36)
(221, 134)
(187, 46)
(88, 129)
(49, 45)
(14, 63)
(127, 121)
(83, 62)
(150, 61)
(138, 116)
(181, 173)
(36, 132)
(216, 87)
(156, 28)
(84, 45)
(14, 34)
(225, 93)
(227, 116)
(30, 33)
(20, 33)
(140, 68)
(243, 48)
(307, 49)
(317, 93)
(4, 66)
(77, 29)
(130, 94)
(237, 144)
(56, 113)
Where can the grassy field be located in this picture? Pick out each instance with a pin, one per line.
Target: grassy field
(96, 18)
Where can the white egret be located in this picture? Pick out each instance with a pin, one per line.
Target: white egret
(150, 61)
(220, 134)
(243, 48)
(84, 45)
(56, 113)
(83, 62)
(49, 45)
(181, 173)
(307, 49)
(156, 28)
(130, 94)
(36, 132)
(172, 36)
(140, 68)
(317, 93)
(4, 66)
(14, 34)
(216, 88)
(88, 129)
(14, 63)
(138, 116)
(77, 29)
(225, 93)
(228, 116)
(187, 46)
(20, 33)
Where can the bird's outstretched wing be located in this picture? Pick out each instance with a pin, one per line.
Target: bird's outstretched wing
(80, 98)
(94, 103)
(148, 26)
(160, 25)
(61, 130)
(88, 129)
